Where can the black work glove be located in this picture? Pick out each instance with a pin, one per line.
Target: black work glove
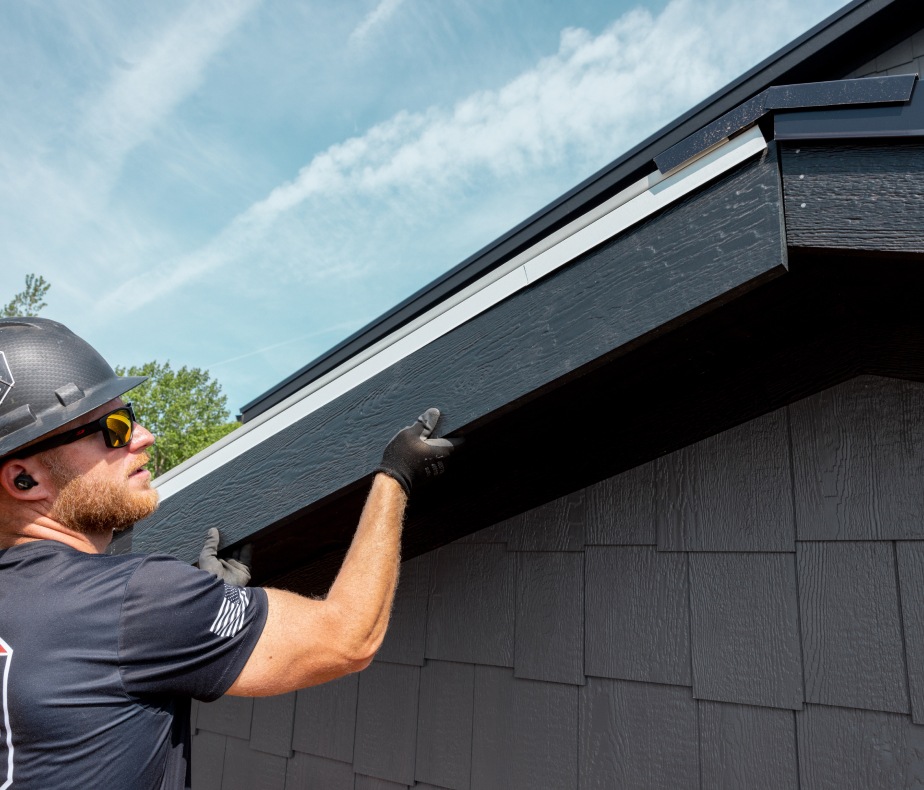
(234, 571)
(412, 456)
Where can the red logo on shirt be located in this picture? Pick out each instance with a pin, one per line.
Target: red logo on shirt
(6, 735)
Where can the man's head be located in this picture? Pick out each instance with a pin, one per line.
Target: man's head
(70, 452)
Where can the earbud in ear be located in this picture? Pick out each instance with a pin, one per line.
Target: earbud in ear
(24, 482)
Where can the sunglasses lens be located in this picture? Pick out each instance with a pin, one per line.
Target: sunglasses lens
(119, 425)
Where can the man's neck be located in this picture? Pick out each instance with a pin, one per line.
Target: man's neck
(47, 529)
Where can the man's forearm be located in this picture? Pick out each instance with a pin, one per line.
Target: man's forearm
(364, 589)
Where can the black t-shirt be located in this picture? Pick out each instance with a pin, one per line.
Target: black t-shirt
(99, 657)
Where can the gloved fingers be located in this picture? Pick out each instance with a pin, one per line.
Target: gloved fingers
(210, 547)
(446, 443)
(236, 565)
(429, 420)
(244, 554)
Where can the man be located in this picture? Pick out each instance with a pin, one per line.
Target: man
(100, 655)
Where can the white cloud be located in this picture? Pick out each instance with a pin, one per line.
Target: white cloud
(377, 17)
(146, 86)
(366, 202)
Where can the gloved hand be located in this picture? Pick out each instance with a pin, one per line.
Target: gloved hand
(234, 571)
(412, 456)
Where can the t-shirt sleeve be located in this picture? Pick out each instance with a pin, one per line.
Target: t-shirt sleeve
(183, 631)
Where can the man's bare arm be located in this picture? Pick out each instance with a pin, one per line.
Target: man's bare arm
(306, 642)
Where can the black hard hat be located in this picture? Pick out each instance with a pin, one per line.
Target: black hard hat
(48, 377)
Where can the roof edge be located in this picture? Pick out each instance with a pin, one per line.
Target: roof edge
(833, 47)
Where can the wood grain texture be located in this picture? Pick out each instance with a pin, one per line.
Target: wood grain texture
(745, 629)
(496, 533)
(722, 239)
(207, 760)
(226, 715)
(406, 638)
(472, 605)
(747, 747)
(325, 719)
(638, 615)
(730, 492)
(858, 459)
(444, 724)
(549, 642)
(271, 728)
(911, 587)
(524, 733)
(851, 630)
(620, 511)
(386, 722)
(374, 783)
(844, 749)
(308, 772)
(638, 735)
(555, 526)
(856, 196)
(246, 769)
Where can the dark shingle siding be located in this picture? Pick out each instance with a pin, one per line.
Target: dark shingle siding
(325, 719)
(471, 607)
(549, 643)
(523, 736)
(444, 724)
(386, 722)
(851, 626)
(858, 459)
(271, 727)
(702, 667)
(638, 735)
(745, 629)
(731, 492)
(742, 746)
(406, 638)
(637, 599)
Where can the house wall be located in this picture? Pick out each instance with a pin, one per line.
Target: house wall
(906, 57)
(745, 612)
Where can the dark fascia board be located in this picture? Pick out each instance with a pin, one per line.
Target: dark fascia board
(837, 93)
(708, 248)
(831, 49)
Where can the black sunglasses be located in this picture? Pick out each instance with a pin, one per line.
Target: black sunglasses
(117, 427)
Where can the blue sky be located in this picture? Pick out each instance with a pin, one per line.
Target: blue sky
(238, 185)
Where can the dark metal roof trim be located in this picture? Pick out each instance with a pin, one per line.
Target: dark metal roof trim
(837, 93)
(903, 120)
(829, 50)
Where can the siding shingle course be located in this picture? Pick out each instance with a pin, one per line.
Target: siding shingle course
(730, 492)
(549, 642)
(745, 629)
(386, 722)
(851, 631)
(637, 614)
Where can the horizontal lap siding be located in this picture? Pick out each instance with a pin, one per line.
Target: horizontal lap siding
(752, 648)
(857, 196)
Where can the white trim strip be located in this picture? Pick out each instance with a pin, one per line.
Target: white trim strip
(622, 211)
(8, 659)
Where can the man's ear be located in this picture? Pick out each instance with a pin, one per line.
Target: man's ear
(24, 479)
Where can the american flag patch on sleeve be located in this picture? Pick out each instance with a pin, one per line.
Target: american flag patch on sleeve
(230, 617)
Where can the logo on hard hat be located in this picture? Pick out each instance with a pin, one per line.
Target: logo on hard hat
(6, 377)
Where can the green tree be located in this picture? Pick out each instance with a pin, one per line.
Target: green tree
(185, 409)
(29, 301)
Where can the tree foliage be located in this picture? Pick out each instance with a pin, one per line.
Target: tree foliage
(29, 301)
(185, 409)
